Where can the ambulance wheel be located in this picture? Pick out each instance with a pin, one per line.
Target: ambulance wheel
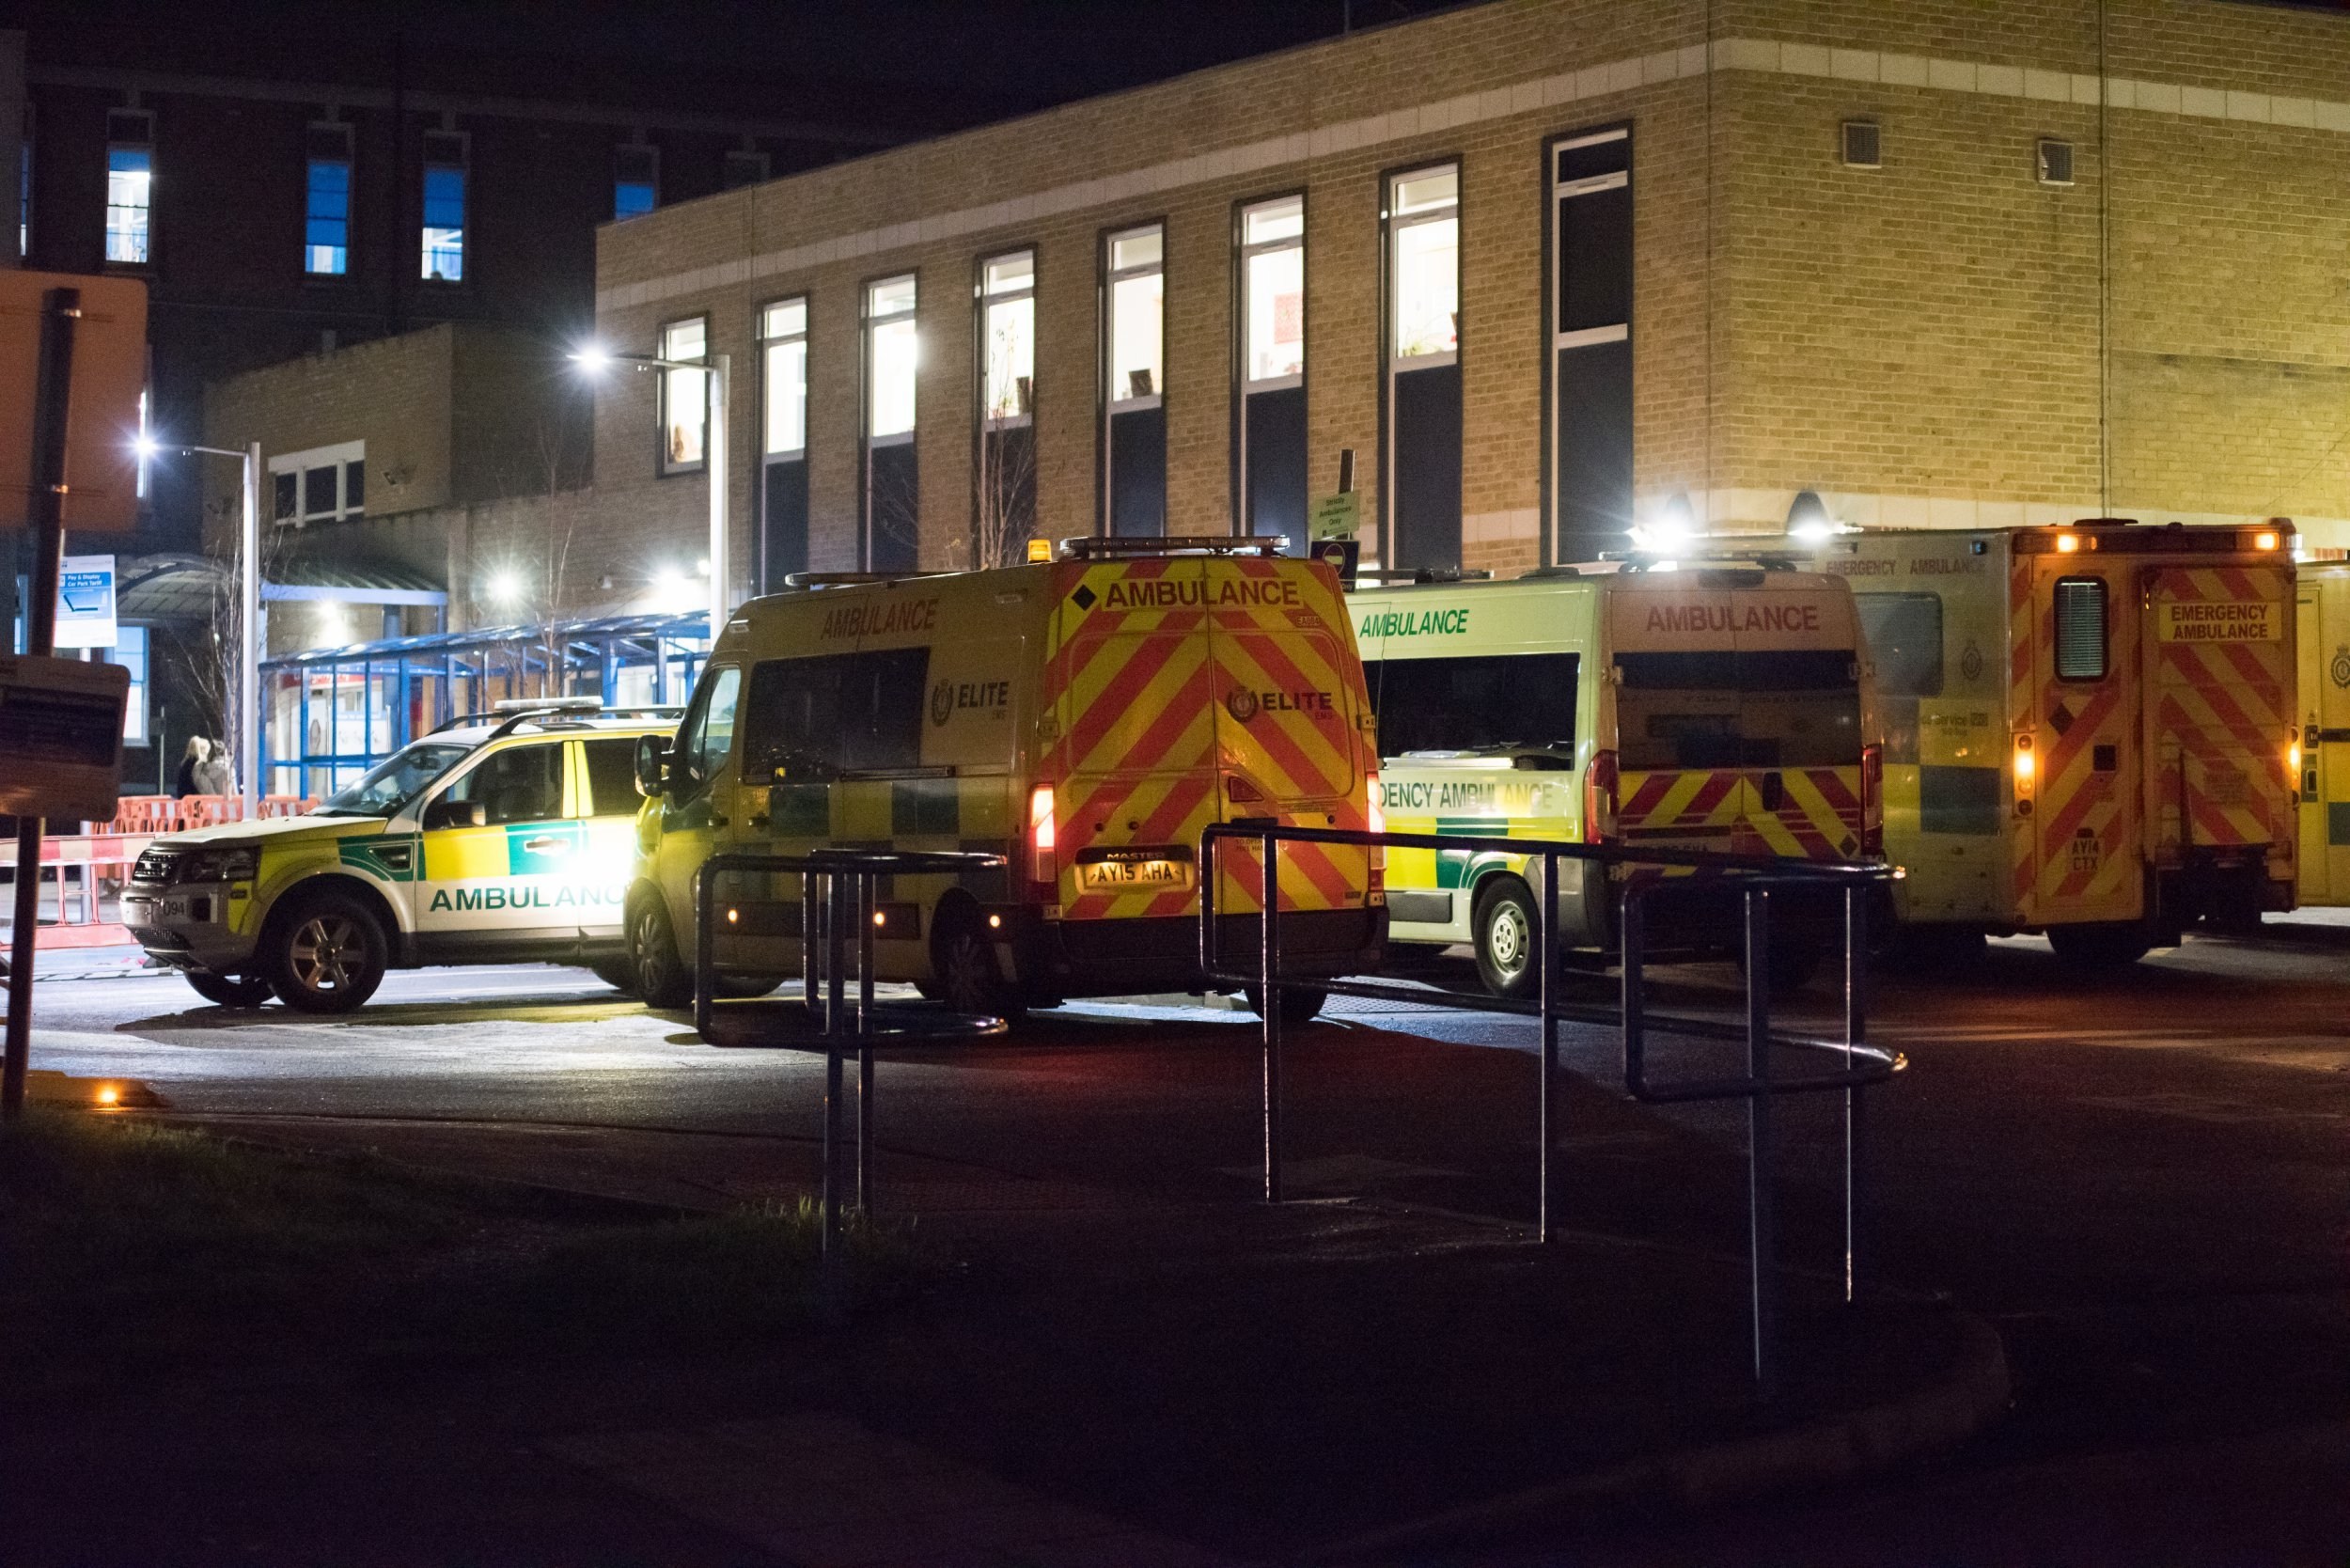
(1299, 1004)
(2102, 944)
(1792, 965)
(964, 969)
(662, 978)
(221, 991)
(326, 955)
(1505, 930)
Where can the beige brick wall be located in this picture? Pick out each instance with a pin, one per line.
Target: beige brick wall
(1934, 332)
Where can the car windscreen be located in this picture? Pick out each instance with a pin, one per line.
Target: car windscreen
(396, 781)
(1492, 703)
(1772, 708)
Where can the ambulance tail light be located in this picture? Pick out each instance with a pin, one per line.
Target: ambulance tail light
(1375, 821)
(1599, 798)
(2027, 773)
(1043, 846)
(1872, 800)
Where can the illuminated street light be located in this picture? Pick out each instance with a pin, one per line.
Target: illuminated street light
(594, 359)
(247, 767)
(506, 587)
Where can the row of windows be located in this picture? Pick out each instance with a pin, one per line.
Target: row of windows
(445, 159)
(1422, 330)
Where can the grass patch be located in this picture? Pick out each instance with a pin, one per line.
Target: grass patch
(127, 1246)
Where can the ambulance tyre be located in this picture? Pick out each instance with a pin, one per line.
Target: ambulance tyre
(963, 961)
(1505, 927)
(221, 991)
(1300, 1004)
(327, 953)
(2100, 945)
(662, 979)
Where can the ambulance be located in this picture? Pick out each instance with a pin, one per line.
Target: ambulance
(2323, 620)
(1085, 716)
(1636, 703)
(2092, 730)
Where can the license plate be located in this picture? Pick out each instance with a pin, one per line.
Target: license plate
(148, 910)
(1118, 876)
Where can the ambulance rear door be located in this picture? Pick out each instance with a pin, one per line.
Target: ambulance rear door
(2324, 624)
(2220, 698)
(2077, 718)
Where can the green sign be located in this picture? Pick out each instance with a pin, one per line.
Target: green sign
(1336, 517)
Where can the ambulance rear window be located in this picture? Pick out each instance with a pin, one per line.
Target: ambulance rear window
(1498, 702)
(1771, 708)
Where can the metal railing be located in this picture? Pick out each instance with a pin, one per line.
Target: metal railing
(839, 890)
(1638, 876)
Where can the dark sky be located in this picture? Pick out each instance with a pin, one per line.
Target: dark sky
(953, 60)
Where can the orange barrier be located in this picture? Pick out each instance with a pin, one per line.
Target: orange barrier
(103, 858)
(182, 813)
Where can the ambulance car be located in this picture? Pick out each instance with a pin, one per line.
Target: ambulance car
(2092, 730)
(1085, 716)
(1721, 708)
(499, 838)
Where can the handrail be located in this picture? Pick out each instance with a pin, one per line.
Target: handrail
(1753, 877)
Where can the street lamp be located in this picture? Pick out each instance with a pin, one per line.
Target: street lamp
(248, 606)
(594, 360)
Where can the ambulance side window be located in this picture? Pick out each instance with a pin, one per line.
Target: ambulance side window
(520, 784)
(2081, 628)
(708, 733)
(1905, 632)
(818, 718)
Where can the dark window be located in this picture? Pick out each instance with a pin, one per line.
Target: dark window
(354, 485)
(1905, 631)
(1766, 709)
(612, 778)
(2081, 628)
(318, 492)
(838, 713)
(1510, 701)
(1611, 156)
(521, 784)
(708, 733)
(287, 489)
(1595, 260)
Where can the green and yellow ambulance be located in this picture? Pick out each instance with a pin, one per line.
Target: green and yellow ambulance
(1721, 708)
(499, 838)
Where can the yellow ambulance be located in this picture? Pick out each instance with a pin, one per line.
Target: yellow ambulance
(2091, 729)
(1087, 716)
(2323, 620)
(1636, 703)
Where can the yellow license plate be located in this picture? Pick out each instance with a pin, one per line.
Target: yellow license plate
(1118, 876)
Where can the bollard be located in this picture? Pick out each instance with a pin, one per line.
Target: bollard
(1761, 1220)
(1268, 969)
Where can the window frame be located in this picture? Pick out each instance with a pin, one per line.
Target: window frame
(868, 324)
(665, 387)
(989, 419)
(1113, 402)
(768, 340)
(144, 144)
(299, 466)
(1393, 227)
(310, 160)
(425, 164)
(1551, 191)
(1244, 254)
(2105, 627)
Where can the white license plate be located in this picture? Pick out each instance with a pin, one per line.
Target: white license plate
(151, 911)
(1118, 876)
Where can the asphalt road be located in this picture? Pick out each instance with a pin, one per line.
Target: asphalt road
(2143, 1181)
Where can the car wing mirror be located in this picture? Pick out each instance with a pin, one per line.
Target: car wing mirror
(653, 757)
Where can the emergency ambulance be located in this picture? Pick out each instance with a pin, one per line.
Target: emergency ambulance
(1715, 708)
(1085, 716)
(2091, 729)
(499, 838)
(2323, 619)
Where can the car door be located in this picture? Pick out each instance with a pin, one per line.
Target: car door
(604, 797)
(693, 810)
(507, 875)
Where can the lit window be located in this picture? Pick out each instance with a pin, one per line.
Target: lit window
(324, 484)
(130, 651)
(445, 206)
(635, 180)
(1008, 289)
(685, 395)
(1425, 228)
(742, 166)
(129, 185)
(1138, 313)
(784, 328)
(1273, 248)
(894, 352)
(326, 220)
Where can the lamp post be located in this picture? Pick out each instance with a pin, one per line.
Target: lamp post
(594, 361)
(248, 607)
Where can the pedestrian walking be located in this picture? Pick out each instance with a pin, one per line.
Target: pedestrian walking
(185, 782)
(214, 775)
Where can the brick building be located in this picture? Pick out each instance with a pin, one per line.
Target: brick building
(1553, 271)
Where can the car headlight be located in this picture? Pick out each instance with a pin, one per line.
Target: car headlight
(219, 865)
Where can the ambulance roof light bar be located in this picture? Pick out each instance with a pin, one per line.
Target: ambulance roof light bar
(1095, 548)
(1424, 575)
(853, 579)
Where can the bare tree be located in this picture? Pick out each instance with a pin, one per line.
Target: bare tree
(1003, 510)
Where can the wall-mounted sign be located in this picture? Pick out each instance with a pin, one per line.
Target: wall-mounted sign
(1338, 516)
(86, 603)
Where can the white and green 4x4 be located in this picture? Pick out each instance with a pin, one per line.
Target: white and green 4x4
(497, 838)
